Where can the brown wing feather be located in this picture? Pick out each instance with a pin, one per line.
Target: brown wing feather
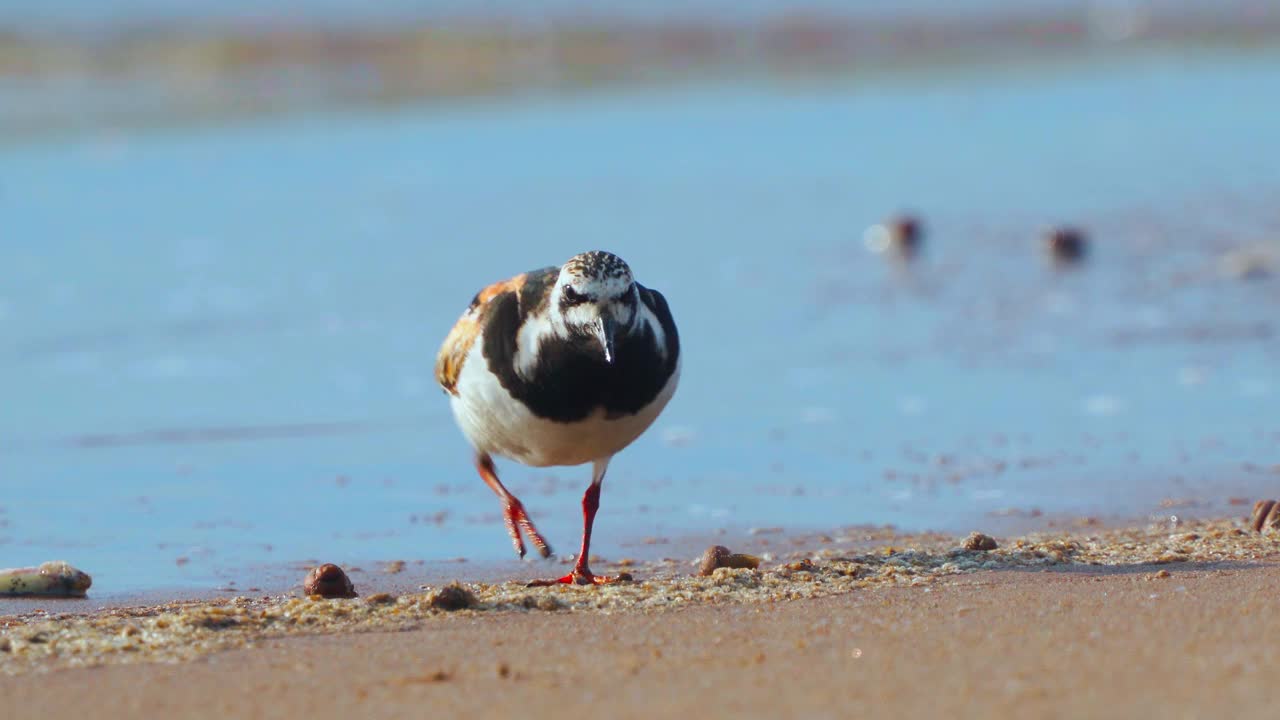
(453, 353)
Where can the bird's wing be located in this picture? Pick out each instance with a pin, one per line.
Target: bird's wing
(457, 344)
(459, 340)
(656, 306)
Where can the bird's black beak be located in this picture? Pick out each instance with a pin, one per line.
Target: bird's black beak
(608, 329)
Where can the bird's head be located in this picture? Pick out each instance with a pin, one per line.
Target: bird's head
(595, 299)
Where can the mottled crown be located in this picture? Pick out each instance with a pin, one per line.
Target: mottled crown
(598, 265)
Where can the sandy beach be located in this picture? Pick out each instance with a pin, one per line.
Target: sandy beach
(1082, 624)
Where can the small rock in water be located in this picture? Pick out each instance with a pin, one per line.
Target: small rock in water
(1065, 245)
(900, 235)
(718, 556)
(906, 235)
(979, 541)
(51, 579)
(452, 597)
(329, 581)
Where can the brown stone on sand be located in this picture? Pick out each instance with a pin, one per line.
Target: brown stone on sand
(1272, 522)
(979, 541)
(718, 556)
(329, 581)
(1266, 516)
(452, 597)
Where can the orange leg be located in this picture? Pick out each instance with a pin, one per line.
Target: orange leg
(582, 574)
(512, 509)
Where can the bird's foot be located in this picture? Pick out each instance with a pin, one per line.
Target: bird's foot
(517, 520)
(583, 576)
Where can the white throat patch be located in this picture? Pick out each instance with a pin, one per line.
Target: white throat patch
(647, 317)
(536, 328)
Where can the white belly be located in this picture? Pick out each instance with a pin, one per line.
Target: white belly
(497, 423)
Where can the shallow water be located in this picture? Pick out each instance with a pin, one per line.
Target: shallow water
(216, 345)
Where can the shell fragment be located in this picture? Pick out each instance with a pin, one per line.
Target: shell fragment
(51, 579)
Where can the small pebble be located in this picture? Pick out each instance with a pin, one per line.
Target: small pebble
(979, 541)
(51, 579)
(437, 676)
(900, 237)
(329, 581)
(1266, 516)
(380, 598)
(452, 597)
(718, 556)
(1065, 245)
(905, 235)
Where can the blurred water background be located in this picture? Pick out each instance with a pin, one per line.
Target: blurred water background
(231, 241)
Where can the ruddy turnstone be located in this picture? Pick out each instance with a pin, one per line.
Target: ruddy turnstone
(560, 366)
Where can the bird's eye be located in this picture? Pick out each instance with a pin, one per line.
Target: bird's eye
(571, 296)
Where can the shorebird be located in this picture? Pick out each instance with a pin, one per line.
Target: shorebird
(560, 366)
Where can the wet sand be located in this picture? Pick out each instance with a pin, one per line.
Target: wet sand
(1121, 623)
